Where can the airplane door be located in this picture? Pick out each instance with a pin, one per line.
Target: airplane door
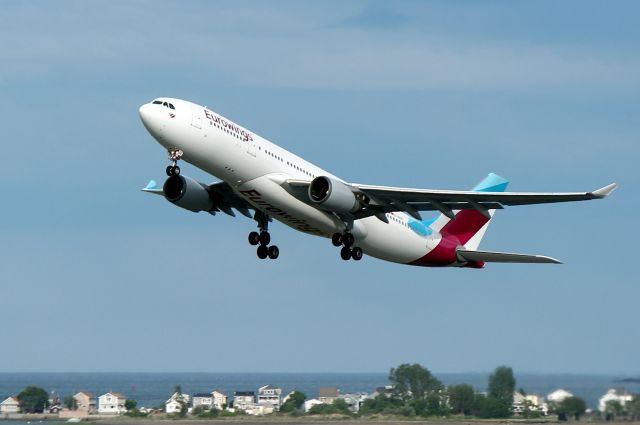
(196, 117)
(251, 147)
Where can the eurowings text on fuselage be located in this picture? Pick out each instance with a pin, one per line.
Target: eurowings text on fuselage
(264, 181)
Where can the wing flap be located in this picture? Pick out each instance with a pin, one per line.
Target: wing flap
(503, 257)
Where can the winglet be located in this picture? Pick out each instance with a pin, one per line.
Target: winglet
(604, 191)
(152, 187)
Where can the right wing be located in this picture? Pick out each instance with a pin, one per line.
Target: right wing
(223, 196)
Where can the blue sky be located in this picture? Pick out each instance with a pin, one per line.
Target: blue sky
(97, 276)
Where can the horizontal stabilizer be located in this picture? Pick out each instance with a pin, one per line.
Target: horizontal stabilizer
(503, 257)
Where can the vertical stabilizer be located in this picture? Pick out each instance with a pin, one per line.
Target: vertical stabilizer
(469, 226)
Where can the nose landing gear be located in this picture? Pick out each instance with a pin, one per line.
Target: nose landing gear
(175, 155)
(263, 238)
(348, 251)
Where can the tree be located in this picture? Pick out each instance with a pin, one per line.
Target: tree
(70, 402)
(613, 408)
(461, 398)
(502, 384)
(33, 399)
(295, 401)
(634, 407)
(572, 406)
(130, 405)
(412, 381)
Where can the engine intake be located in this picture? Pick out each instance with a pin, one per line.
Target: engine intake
(187, 193)
(333, 195)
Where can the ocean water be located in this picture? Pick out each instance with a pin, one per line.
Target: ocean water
(152, 389)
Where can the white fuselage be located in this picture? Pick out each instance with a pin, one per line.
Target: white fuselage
(257, 169)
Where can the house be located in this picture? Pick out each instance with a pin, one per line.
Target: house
(244, 400)
(111, 403)
(530, 402)
(270, 396)
(620, 396)
(354, 401)
(328, 395)
(219, 399)
(85, 403)
(10, 405)
(308, 404)
(203, 400)
(558, 395)
(176, 403)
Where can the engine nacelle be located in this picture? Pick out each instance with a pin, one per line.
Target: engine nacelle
(187, 193)
(333, 195)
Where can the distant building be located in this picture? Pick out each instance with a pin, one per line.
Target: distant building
(85, 403)
(176, 403)
(204, 400)
(244, 400)
(219, 399)
(620, 396)
(308, 404)
(558, 395)
(531, 402)
(111, 403)
(354, 401)
(270, 396)
(10, 405)
(328, 395)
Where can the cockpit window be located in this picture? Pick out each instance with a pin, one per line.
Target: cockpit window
(165, 104)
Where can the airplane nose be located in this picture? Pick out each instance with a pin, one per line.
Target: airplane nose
(145, 114)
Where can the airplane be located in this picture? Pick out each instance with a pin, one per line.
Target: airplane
(263, 181)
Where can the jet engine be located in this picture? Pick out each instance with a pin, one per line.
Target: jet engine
(333, 195)
(187, 193)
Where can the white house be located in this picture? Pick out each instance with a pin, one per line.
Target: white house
(244, 400)
(204, 400)
(219, 399)
(175, 403)
(620, 396)
(559, 395)
(10, 405)
(308, 404)
(531, 401)
(111, 403)
(354, 401)
(270, 396)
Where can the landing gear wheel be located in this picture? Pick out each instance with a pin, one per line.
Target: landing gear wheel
(254, 238)
(348, 240)
(265, 238)
(273, 252)
(169, 170)
(263, 252)
(345, 253)
(336, 239)
(176, 170)
(356, 253)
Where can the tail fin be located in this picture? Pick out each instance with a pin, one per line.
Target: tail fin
(469, 226)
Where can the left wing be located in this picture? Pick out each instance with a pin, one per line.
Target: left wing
(383, 199)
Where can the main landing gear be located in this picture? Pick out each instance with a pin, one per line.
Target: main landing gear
(175, 155)
(263, 238)
(348, 251)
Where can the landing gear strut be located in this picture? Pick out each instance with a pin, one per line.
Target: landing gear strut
(175, 155)
(263, 238)
(348, 251)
